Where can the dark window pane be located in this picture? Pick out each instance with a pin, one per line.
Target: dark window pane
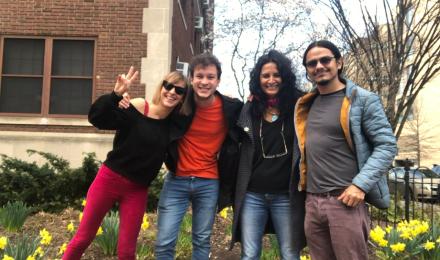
(23, 56)
(72, 58)
(70, 96)
(20, 95)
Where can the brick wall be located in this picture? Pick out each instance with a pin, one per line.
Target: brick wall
(115, 24)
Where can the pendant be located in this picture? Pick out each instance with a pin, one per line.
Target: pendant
(274, 118)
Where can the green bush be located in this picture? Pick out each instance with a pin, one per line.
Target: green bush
(50, 187)
(13, 215)
(154, 191)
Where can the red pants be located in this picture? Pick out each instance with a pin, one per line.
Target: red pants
(108, 188)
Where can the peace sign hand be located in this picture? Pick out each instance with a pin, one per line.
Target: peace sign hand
(123, 81)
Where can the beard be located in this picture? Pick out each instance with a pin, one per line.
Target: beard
(323, 82)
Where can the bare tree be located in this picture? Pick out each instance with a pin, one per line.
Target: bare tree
(395, 58)
(258, 26)
(418, 139)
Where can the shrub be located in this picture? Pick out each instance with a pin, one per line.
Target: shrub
(50, 187)
(13, 215)
(154, 190)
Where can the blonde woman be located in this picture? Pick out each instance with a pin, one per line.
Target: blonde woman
(138, 152)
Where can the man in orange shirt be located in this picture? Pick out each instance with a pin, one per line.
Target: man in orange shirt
(202, 160)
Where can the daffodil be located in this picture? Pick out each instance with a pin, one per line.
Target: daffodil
(3, 242)
(100, 231)
(388, 229)
(84, 202)
(70, 227)
(38, 252)
(31, 257)
(377, 234)
(406, 234)
(80, 216)
(429, 245)
(62, 249)
(304, 257)
(145, 223)
(46, 238)
(224, 213)
(6, 257)
(397, 248)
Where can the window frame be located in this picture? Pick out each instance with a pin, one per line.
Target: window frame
(47, 74)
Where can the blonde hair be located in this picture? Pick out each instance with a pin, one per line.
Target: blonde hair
(173, 78)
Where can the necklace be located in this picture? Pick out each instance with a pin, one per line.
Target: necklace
(274, 115)
(266, 156)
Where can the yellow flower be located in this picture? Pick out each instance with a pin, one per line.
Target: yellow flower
(145, 223)
(46, 238)
(438, 240)
(382, 243)
(100, 231)
(70, 227)
(388, 229)
(224, 213)
(304, 257)
(406, 234)
(62, 249)
(397, 248)
(429, 245)
(3, 242)
(38, 252)
(31, 257)
(377, 234)
(6, 257)
(84, 202)
(80, 216)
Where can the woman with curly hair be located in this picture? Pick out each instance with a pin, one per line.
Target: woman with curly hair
(266, 197)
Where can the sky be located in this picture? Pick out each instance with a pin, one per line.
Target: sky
(222, 47)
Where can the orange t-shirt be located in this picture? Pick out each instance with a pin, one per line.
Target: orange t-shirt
(200, 145)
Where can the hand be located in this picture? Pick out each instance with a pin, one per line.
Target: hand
(352, 196)
(123, 81)
(125, 101)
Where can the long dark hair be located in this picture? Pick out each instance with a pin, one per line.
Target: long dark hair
(332, 47)
(288, 93)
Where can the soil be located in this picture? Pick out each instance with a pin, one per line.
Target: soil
(56, 225)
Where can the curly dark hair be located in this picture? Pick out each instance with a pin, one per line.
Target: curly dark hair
(288, 93)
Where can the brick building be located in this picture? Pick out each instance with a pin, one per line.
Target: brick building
(57, 56)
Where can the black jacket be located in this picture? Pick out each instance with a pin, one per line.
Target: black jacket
(297, 199)
(229, 152)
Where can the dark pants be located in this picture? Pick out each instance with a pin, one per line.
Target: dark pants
(334, 230)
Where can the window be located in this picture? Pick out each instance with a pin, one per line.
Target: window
(46, 77)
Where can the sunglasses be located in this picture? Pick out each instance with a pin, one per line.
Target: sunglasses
(323, 60)
(169, 86)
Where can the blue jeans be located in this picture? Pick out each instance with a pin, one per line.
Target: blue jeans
(176, 194)
(254, 216)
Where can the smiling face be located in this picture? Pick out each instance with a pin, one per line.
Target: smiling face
(322, 68)
(169, 98)
(204, 82)
(270, 79)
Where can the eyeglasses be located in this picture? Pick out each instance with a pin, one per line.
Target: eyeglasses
(323, 60)
(169, 86)
(265, 156)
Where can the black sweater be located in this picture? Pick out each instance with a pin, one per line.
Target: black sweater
(140, 142)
